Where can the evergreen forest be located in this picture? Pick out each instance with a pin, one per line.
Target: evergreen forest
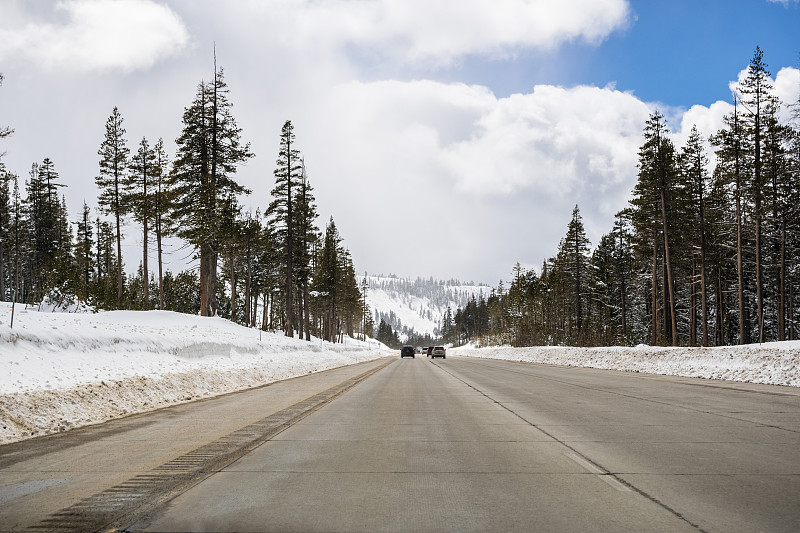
(706, 253)
(275, 270)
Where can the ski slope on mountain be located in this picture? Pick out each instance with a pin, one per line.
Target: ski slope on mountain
(418, 305)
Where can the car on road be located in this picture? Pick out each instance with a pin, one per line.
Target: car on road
(407, 351)
(428, 351)
(438, 351)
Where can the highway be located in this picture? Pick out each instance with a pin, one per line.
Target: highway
(458, 444)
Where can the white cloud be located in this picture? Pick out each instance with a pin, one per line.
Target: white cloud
(554, 140)
(787, 88)
(98, 35)
(457, 165)
(444, 31)
(455, 169)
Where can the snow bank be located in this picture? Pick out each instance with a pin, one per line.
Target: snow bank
(776, 363)
(64, 370)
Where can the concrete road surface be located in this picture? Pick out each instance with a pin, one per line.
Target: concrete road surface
(458, 444)
(477, 445)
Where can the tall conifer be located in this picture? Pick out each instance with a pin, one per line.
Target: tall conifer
(113, 166)
(209, 151)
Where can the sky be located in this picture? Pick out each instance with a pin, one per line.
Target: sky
(449, 139)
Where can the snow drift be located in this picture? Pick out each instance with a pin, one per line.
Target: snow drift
(776, 363)
(64, 370)
(60, 370)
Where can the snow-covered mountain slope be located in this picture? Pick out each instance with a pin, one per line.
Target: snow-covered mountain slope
(417, 306)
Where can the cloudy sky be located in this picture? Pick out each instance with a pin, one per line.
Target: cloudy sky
(448, 138)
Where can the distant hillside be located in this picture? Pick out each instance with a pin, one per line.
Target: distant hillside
(417, 306)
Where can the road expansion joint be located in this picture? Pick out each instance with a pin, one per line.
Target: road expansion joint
(601, 472)
(131, 500)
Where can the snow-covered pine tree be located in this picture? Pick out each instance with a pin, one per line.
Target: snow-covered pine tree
(759, 103)
(692, 163)
(652, 217)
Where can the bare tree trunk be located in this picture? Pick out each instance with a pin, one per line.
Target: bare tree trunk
(791, 310)
(119, 259)
(782, 284)
(743, 329)
(668, 263)
(233, 289)
(306, 310)
(208, 282)
(145, 239)
(160, 271)
(655, 333)
(693, 306)
(719, 333)
(264, 312)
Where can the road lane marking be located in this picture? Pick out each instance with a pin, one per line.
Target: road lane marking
(631, 487)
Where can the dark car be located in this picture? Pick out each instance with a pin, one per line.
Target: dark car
(438, 351)
(428, 351)
(407, 351)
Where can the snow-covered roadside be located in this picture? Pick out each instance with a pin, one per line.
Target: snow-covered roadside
(64, 370)
(776, 363)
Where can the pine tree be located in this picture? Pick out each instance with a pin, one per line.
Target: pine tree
(140, 200)
(5, 131)
(653, 215)
(792, 247)
(162, 210)
(5, 219)
(281, 211)
(46, 232)
(447, 324)
(325, 284)
(575, 259)
(692, 163)
(113, 166)
(306, 213)
(730, 169)
(759, 103)
(209, 150)
(18, 241)
(83, 252)
(778, 206)
(107, 263)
